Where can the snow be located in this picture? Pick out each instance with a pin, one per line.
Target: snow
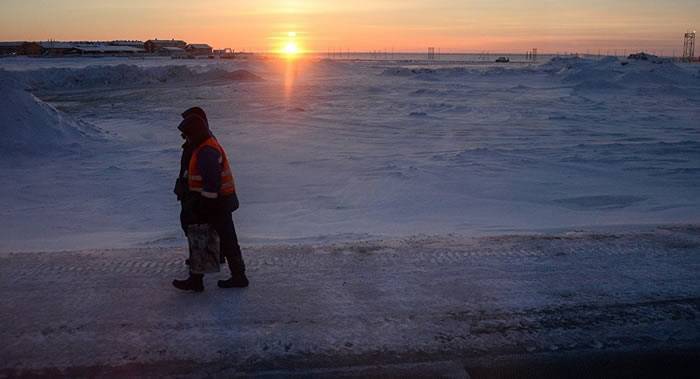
(611, 72)
(336, 305)
(31, 126)
(124, 75)
(326, 150)
(392, 211)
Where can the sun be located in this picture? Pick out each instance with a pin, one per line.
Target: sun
(290, 49)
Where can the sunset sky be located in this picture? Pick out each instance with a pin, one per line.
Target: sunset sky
(407, 25)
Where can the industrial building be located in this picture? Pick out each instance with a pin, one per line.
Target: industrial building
(55, 48)
(172, 48)
(176, 52)
(196, 49)
(154, 45)
(10, 48)
(108, 50)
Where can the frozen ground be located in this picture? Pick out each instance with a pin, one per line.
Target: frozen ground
(392, 213)
(441, 305)
(329, 151)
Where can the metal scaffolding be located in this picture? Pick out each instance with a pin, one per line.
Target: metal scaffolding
(689, 46)
(531, 55)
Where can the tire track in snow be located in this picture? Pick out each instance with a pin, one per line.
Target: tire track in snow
(427, 295)
(433, 251)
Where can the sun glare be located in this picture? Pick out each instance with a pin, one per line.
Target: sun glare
(291, 49)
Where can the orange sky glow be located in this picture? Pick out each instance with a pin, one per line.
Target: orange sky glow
(380, 25)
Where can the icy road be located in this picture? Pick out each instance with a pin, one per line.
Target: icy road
(325, 309)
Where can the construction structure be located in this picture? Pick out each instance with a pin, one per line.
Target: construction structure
(531, 55)
(689, 46)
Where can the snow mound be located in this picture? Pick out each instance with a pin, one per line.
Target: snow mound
(638, 71)
(30, 125)
(450, 73)
(417, 73)
(130, 75)
(333, 65)
(241, 75)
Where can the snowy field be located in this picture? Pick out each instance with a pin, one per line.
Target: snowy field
(345, 150)
(434, 217)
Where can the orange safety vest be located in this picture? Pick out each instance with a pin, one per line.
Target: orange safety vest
(194, 178)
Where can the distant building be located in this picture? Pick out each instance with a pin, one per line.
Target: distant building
(108, 50)
(171, 51)
(198, 49)
(29, 48)
(10, 48)
(154, 45)
(134, 43)
(54, 48)
(172, 47)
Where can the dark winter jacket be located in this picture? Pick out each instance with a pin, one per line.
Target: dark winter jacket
(210, 170)
(195, 128)
(208, 165)
(181, 190)
(195, 207)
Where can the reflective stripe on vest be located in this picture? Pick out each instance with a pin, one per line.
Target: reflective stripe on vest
(194, 180)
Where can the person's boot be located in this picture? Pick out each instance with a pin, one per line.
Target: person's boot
(193, 283)
(235, 281)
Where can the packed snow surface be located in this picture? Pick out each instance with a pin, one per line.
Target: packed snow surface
(331, 150)
(336, 305)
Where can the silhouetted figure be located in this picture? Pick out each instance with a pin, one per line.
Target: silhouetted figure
(206, 190)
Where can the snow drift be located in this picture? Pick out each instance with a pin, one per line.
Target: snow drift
(30, 125)
(614, 73)
(129, 76)
(609, 73)
(444, 73)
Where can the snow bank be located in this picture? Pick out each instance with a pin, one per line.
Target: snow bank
(613, 73)
(447, 73)
(609, 73)
(334, 66)
(30, 125)
(129, 75)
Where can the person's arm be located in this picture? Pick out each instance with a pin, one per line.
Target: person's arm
(210, 169)
(181, 187)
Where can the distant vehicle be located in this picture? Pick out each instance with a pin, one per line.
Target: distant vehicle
(502, 60)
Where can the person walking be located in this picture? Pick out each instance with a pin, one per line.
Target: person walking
(181, 187)
(209, 196)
